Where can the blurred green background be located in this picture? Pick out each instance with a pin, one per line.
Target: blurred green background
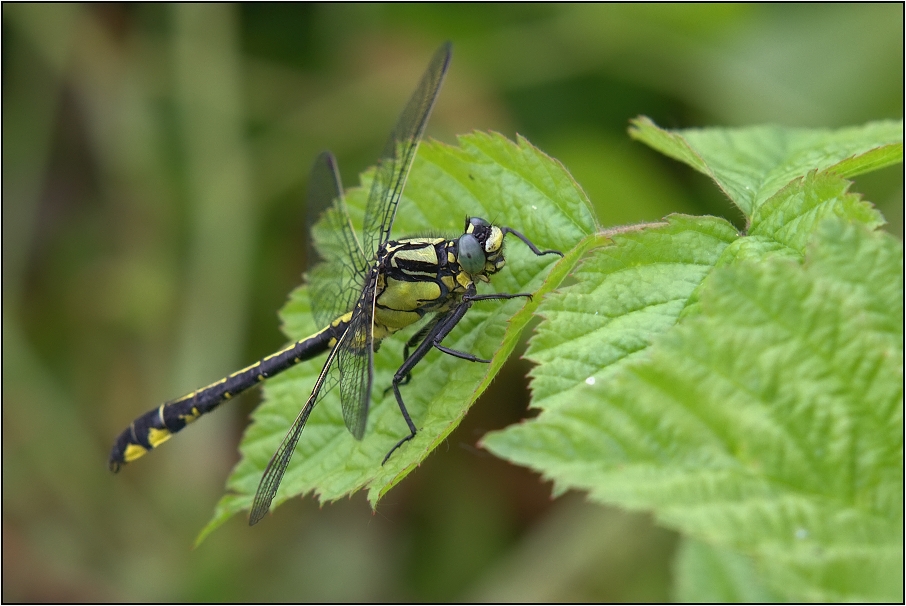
(154, 165)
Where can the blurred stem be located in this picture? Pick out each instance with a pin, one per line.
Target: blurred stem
(222, 217)
(32, 84)
(48, 450)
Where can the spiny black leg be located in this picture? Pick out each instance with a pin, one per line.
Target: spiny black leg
(412, 430)
(412, 342)
(431, 336)
(502, 295)
(415, 340)
(459, 354)
(470, 298)
(439, 329)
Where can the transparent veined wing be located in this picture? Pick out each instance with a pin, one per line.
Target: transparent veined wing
(396, 158)
(342, 281)
(337, 265)
(355, 361)
(273, 473)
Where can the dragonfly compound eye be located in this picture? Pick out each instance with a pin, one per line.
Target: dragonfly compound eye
(471, 256)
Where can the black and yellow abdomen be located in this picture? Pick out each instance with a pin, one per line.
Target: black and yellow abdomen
(157, 426)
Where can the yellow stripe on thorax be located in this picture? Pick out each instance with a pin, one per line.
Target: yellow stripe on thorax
(425, 253)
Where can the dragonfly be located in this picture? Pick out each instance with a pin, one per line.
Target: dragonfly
(362, 291)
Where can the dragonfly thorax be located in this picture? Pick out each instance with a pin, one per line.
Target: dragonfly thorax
(417, 276)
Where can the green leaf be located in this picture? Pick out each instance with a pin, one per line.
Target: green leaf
(509, 183)
(769, 421)
(791, 216)
(752, 164)
(748, 390)
(705, 574)
(629, 292)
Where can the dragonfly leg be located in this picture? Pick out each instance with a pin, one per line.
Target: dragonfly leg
(469, 299)
(437, 330)
(431, 336)
(412, 342)
(412, 431)
(502, 295)
(461, 354)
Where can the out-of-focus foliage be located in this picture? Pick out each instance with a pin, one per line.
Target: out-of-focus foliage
(154, 159)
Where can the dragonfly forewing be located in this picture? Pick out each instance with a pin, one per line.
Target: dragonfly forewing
(396, 158)
(338, 265)
(273, 473)
(356, 363)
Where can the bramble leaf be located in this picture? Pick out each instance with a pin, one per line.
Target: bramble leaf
(705, 574)
(747, 389)
(513, 184)
(752, 164)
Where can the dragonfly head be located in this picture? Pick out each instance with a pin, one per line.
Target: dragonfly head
(481, 249)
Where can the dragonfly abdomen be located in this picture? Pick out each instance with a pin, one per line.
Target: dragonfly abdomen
(157, 426)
